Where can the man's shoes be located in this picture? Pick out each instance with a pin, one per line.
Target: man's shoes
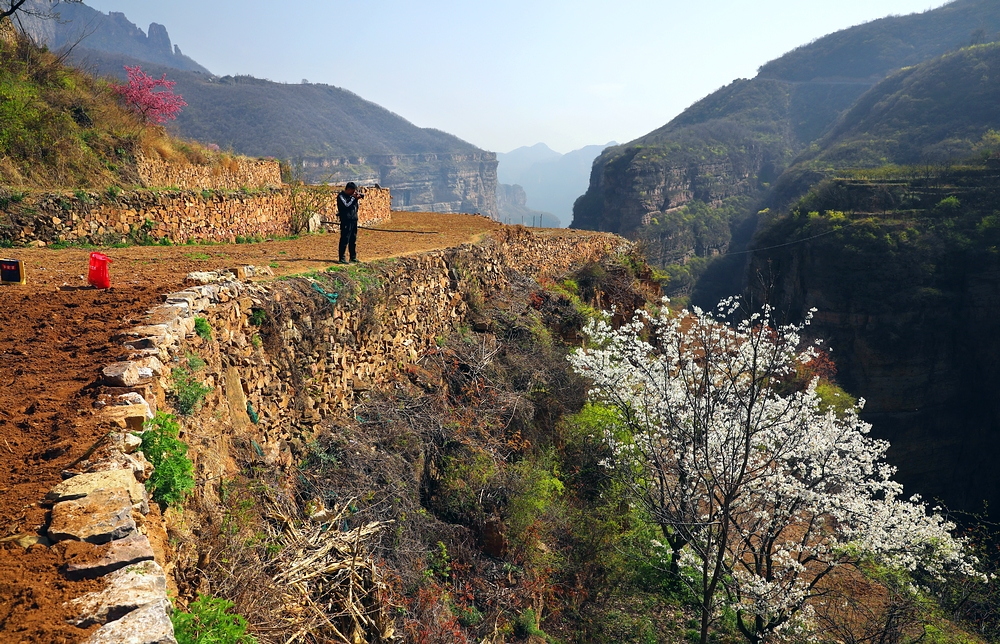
(355, 261)
(342, 261)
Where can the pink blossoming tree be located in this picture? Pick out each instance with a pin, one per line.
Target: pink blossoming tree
(151, 98)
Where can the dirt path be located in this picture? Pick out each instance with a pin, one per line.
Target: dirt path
(53, 343)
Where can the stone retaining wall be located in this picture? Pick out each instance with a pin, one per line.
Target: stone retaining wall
(179, 215)
(318, 353)
(228, 173)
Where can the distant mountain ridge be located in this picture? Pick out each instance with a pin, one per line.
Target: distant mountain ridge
(330, 133)
(112, 32)
(737, 141)
(550, 180)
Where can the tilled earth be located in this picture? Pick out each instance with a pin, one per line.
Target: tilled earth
(56, 335)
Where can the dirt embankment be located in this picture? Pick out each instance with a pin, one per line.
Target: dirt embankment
(55, 337)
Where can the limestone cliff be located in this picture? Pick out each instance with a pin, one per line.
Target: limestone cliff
(449, 183)
(905, 276)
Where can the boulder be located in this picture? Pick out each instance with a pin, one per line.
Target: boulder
(96, 561)
(99, 517)
(149, 624)
(126, 590)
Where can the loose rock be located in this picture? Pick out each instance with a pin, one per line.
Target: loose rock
(127, 589)
(85, 484)
(96, 518)
(97, 561)
(149, 624)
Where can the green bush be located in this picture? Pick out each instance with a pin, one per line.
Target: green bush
(173, 472)
(188, 390)
(209, 621)
(203, 328)
(258, 317)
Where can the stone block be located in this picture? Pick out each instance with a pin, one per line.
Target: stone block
(131, 417)
(124, 374)
(149, 624)
(99, 517)
(126, 590)
(85, 484)
(96, 561)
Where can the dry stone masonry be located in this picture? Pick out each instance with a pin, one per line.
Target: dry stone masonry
(229, 173)
(319, 355)
(179, 215)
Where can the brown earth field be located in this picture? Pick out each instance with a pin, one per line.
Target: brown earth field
(56, 335)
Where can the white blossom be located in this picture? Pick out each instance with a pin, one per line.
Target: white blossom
(755, 487)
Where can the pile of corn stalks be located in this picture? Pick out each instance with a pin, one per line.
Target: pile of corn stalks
(331, 589)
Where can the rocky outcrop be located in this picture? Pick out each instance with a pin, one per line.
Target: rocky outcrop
(112, 32)
(906, 283)
(449, 183)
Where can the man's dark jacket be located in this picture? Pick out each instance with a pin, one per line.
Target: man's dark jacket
(347, 205)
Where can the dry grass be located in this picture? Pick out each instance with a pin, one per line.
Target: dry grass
(62, 128)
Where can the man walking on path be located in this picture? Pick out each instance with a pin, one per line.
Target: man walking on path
(347, 212)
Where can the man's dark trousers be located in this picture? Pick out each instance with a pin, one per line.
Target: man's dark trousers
(348, 237)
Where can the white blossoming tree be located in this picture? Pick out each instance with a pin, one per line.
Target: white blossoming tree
(760, 493)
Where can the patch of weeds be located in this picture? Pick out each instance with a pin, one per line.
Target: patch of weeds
(258, 317)
(256, 341)
(173, 473)
(194, 362)
(526, 625)
(65, 204)
(273, 264)
(82, 197)
(188, 390)
(468, 615)
(210, 620)
(197, 256)
(143, 235)
(112, 192)
(17, 197)
(203, 328)
(207, 194)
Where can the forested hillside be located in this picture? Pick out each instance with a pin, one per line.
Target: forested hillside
(729, 148)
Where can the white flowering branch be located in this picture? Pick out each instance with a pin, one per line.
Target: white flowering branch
(761, 492)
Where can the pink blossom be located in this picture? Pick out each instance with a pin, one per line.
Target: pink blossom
(151, 98)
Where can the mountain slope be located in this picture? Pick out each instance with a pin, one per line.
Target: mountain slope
(78, 23)
(330, 133)
(513, 164)
(930, 113)
(734, 142)
(553, 184)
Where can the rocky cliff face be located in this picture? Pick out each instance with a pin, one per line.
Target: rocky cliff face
(909, 302)
(447, 183)
(112, 32)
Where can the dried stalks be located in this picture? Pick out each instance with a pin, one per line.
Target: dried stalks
(331, 588)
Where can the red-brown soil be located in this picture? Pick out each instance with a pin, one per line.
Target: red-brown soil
(53, 343)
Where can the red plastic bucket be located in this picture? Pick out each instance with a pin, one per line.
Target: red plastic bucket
(98, 276)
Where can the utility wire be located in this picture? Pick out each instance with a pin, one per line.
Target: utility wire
(791, 243)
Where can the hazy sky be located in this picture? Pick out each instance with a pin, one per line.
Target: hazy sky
(511, 73)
